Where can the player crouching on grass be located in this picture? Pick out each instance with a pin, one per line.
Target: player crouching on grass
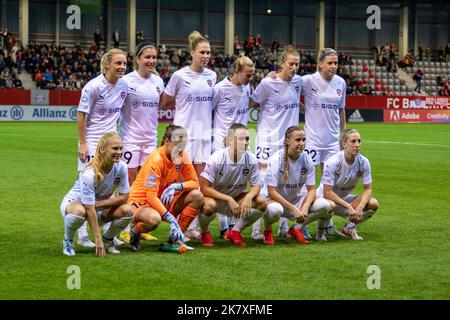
(288, 170)
(224, 184)
(340, 176)
(156, 195)
(92, 197)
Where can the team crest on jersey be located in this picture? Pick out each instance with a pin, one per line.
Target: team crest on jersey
(339, 92)
(116, 180)
(245, 171)
(209, 82)
(122, 94)
(135, 104)
(303, 171)
(158, 89)
(178, 167)
(359, 174)
(297, 89)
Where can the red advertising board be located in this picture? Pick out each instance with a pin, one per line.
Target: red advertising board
(416, 116)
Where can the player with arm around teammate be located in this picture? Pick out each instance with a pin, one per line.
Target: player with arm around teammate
(224, 184)
(92, 197)
(138, 123)
(98, 111)
(324, 94)
(279, 100)
(288, 170)
(341, 174)
(156, 193)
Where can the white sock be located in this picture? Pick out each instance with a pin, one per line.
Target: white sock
(82, 231)
(223, 221)
(71, 224)
(242, 223)
(194, 224)
(232, 220)
(367, 215)
(256, 228)
(106, 226)
(284, 225)
(115, 227)
(204, 221)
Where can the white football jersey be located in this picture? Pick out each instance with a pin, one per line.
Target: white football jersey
(102, 102)
(231, 178)
(279, 101)
(87, 190)
(231, 105)
(301, 172)
(193, 93)
(323, 99)
(343, 176)
(139, 121)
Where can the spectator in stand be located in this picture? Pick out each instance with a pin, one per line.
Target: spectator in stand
(5, 35)
(420, 53)
(444, 91)
(258, 42)
(116, 38)
(441, 55)
(392, 67)
(97, 38)
(250, 43)
(447, 52)
(428, 53)
(17, 82)
(236, 45)
(275, 46)
(418, 75)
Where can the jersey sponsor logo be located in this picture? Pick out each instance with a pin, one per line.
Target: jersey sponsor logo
(189, 98)
(84, 99)
(122, 94)
(101, 111)
(339, 92)
(245, 171)
(158, 89)
(279, 107)
(236, 186)
(210, 83)
(359, 174)
(303, 171)
(329, 106)
(151, 177)
(116, 180)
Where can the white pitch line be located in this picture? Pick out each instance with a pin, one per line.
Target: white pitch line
(409, 143)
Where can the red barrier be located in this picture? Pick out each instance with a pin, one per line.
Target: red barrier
(15, 96)
(64, 97)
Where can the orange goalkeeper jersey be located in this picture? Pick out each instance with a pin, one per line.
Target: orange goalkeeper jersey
(157, 173)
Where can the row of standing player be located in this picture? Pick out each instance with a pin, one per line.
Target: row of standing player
(193, 88)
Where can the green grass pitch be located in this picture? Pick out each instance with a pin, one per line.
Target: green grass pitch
(407, 238)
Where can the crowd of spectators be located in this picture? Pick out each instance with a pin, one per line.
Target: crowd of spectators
(53, 67)
(11, 59)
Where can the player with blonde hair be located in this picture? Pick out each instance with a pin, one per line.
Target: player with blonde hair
(279, 100)
(98, 111)
(92, 197)
(231, 105)
(340, 177)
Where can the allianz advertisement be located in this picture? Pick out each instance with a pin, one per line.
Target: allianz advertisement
(38, 113)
